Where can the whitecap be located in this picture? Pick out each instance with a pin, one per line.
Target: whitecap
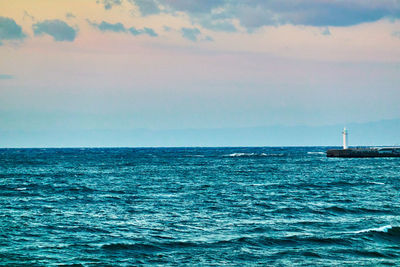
(240, 154)
(383, 229)
(316, 153)
(21, 189)
(377, 183)
(253, 155)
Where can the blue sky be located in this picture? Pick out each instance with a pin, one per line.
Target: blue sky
(185, 64)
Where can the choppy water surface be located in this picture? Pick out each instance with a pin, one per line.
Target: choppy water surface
(228, 206)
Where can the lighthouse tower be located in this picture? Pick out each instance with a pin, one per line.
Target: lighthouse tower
(345, 141)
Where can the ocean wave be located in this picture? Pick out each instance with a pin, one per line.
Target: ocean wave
(254, 155)
(289, 241)
(366, 253)
(126, 246)
(155, 246)
(355, 210)
(353, 183)
(342, 183)
(294, 240)
(316, 153)
(20, 188)
(378, 183)
(383, 229)
(79, 189)
(387, 233)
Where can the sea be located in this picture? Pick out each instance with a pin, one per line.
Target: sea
(268, 206)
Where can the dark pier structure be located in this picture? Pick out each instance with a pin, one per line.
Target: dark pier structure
(362, 152)
(372, 152)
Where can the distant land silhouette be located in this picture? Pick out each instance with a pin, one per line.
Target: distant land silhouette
(385, 132)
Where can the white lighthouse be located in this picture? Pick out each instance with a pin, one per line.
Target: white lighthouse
(345, 141)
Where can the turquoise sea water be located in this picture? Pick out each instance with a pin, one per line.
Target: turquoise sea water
(197, 206)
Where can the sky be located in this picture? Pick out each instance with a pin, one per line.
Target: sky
(73, 65)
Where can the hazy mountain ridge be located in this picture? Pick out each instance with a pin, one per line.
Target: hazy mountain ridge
(385, 132)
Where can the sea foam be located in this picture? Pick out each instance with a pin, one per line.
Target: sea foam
(316, 153)
(383, 229)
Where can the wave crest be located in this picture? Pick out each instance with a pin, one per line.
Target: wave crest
(316, 153)
(253, 155)
(383, 229)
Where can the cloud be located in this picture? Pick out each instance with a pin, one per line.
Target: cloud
(326, 31)
(218, 25)
(194, 6)
(106, 26)
(198, 11)
(396, 34)
(69, 15)
(119, 27)
(316, 12)
(147, 7)
(6, 77)
(209, 39)
(190, 33)
(58, 29)
(9, 30)
(29, 16)
(151, 7)
(194, 34)
(218, 15)
(108, 4)
(147, 31)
